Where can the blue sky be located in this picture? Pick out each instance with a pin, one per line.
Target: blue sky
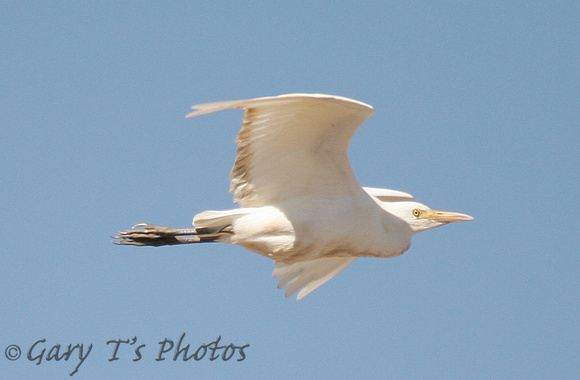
(476, 110)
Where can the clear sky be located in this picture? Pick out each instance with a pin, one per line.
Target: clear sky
(477, 110)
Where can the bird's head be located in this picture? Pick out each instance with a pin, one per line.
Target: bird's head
(420, 217)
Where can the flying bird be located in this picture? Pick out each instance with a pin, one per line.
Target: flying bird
(300, 203)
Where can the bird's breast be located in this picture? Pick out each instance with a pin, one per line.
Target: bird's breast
(347, 229)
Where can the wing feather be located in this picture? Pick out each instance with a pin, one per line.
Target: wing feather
(292, 146)
(388, 195)
(307, 276)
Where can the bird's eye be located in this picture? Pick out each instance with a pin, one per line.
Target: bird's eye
(416, 212)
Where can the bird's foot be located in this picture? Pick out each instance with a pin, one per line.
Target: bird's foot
(151, 235)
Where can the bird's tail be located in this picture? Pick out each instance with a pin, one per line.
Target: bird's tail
(219, 220)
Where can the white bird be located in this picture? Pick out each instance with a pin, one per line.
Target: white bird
(300, 203)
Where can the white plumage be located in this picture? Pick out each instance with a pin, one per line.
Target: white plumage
(300, 203)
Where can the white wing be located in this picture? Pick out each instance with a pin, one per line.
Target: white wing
(388, 195)
(309, 275)
(291, 146)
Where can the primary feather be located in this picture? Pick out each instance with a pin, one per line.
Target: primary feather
(291, 146)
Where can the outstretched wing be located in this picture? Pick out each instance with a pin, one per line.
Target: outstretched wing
(307, 276)
(388, 195)
(292, 146)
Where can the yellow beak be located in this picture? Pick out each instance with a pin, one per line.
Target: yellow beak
(445, 216)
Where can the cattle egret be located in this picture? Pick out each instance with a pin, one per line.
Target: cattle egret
(300, 203)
